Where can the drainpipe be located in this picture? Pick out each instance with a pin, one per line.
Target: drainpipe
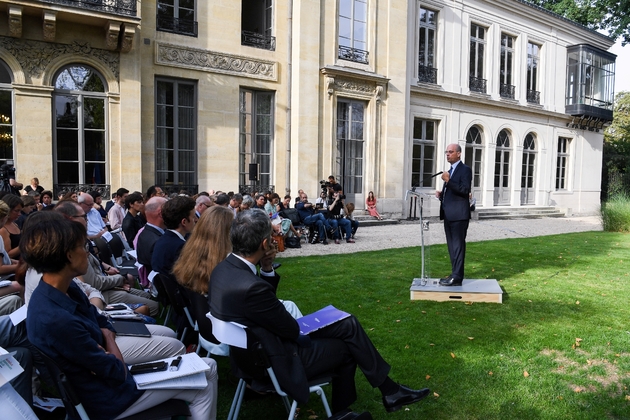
(289, 93)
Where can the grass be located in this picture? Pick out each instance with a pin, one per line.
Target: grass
(615, 214)
(557, 348)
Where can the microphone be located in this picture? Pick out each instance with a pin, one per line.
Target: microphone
(439, 173)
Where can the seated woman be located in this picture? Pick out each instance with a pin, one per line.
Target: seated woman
(62, 324)
(370, 206)
(7, 265)
(272, 207)
(208, 245)
(10, 231)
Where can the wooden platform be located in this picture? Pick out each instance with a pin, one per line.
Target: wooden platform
(486, 290)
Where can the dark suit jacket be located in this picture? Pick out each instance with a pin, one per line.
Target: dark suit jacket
(455, 204)
(146, 242)
(237, 295)
(166, 252)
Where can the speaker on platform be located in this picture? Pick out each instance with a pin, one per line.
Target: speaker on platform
(253, 172)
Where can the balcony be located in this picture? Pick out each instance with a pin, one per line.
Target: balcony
(427, 74)
(507, 91)
(60, 189)
(255, 188)
(178, 188)
(533, 97)
(256, 40)
(353, 54)
(477, 85)
(117, 7)
(176, 26)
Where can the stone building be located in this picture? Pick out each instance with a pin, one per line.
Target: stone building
(255, 95)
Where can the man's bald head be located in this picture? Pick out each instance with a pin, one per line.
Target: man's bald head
(153, 211)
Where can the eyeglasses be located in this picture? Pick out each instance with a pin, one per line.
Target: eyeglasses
(84, 216)
(207, 205)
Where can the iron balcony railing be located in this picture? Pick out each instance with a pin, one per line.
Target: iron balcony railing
(117, 7)
(180, 189)
(477, 84)
(259, 188)
(254, 39)
(507, 91)
(353, 54)
(533, 96)
(62, 189)
(427, 74)
(175, 25)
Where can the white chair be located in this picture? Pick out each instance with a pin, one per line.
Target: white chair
(234, 334)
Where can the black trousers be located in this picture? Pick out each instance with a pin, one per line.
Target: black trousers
(340, 348)
(456, 241)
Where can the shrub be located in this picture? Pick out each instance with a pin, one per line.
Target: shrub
(615, 213)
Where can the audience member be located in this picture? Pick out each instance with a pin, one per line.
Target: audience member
(154, 191)
(222, 200)
(47, 197)
(85, 349)
(235, 203)
(273, 208)
(337, 221)
(10, 304)
(370, 206)
(10, 231)
(133, 220)
(95, 225)
(238, 295)
(247, 203)
(349, 213)
(179, 217)
(98, 204)
(28, 206)
(286, 202)
(116, 214)
(260, 202)
(69, 195)
(309, 217)
(110, 203)
(34, 186)
(37, 196)
(152, 231)
(201, 204)
(7, 265)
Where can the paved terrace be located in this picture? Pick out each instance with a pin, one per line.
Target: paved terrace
(407, 234)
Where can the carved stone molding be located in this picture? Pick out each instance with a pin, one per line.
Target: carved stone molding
(355, 86)
(15, 21)
(330, 85)
(112, 31)
(50, 25)
(34, 56)
(215, 62)
(127, 39)
(378, 94)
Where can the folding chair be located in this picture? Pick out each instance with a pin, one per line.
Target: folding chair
(236, 336)
(207, 341)
(74, 408)
(179, 302)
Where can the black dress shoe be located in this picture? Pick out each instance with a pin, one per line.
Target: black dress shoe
(450, 282)
(276, 265)
(404, 396)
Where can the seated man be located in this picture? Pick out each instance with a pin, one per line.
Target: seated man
(152, 231)
(237, 294)
(95, 225)
(116, 213)
(309, 217)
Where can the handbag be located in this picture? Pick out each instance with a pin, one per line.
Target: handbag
(292, 242)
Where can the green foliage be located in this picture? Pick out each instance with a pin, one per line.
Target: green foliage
(615, 213)
(563, 321)
(616, 165)
(610, 15)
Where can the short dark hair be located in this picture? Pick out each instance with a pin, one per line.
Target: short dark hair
(133, 198)
(67, 208)
(121, 191)
(48, 193)
(177, 209)
(95, 194)
(151, 191)
(12, 201)
(34, 193)
(47, 238)
(222, 199)
(249, 229)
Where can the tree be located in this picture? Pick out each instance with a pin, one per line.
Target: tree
(616, 167)
(607, 15)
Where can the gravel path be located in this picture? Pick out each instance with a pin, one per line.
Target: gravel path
(407, 234)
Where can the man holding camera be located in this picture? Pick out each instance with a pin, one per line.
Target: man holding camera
(7, 176)
(309, 217)
(336, 219)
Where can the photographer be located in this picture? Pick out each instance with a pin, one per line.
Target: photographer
(7, 176)
(336, 219)
(309, 217)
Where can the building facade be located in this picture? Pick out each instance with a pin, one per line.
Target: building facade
(251, 95)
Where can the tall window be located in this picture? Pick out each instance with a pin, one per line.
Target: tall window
(528, 169)
(506, 88)
(427, 73)
(474, 157)
(176, 133)
(477, 49)
(423, 154)
(176, 16)
(350, 145)
(502, 169)
(6, 115)
(80, 148)
(257, 24)
(562, 163)
(533, 52)
(353, 30)
(256, 135)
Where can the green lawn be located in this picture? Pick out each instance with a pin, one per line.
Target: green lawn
(557, 348)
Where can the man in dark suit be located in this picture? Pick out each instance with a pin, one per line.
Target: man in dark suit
(237, 294)
(455, 211)
(179, 217)
(151, 232)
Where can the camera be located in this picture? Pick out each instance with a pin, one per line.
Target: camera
(324, 185)
(7, 171)
(342, 197)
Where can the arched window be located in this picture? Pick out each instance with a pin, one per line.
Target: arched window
(6, 114)
(80, 148)
(528, 170)
(473, 157)
(502, 169)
